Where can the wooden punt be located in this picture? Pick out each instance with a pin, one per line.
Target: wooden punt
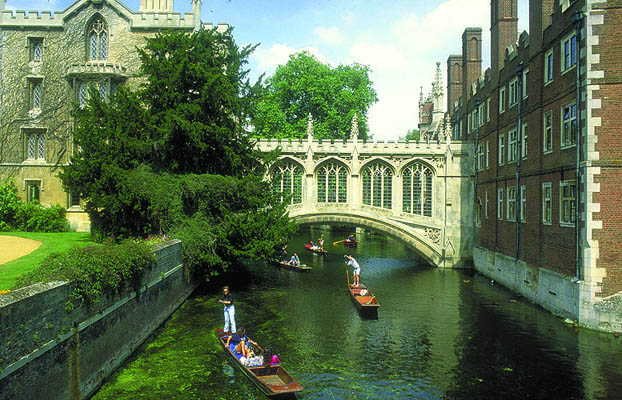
(363, 298)
(301, 267)
(317, 250)
(273, 381)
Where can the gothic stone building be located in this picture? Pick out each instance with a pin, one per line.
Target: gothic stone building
(47, 62)
(545, 123)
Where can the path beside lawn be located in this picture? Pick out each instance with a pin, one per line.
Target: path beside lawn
(22, 252)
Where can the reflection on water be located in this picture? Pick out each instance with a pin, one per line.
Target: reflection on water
(440, 334)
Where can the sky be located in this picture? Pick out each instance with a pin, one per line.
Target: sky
(401, 40)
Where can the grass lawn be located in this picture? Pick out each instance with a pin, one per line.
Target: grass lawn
(50, 243)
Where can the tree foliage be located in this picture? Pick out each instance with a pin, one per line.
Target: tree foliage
(305, 85)
(412, 134)
(175, 156)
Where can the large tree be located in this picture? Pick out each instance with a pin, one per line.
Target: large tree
(175, 156)
(305, 85)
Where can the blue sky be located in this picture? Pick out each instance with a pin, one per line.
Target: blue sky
(400, 40)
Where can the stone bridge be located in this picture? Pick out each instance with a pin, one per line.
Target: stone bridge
(417, 192)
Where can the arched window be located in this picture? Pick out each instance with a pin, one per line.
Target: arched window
(417, 181)
(287, 180)
(332, 183)
(377, 185)
(97, 40)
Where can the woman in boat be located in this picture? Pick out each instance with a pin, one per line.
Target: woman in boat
(321, 243)
(357, 269)
(241, 341)
(295, 261)
(227, 301)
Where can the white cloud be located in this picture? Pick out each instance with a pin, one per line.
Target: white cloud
(349, 18)
(278, 54)
(331, 35)
(403, 59)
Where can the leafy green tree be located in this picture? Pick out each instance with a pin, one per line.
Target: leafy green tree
(175, 156)
(412, 134)
(304, 85)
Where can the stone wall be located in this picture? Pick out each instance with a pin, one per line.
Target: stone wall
(49, 353)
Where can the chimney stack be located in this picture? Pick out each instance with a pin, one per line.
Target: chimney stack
(454, 80)
(503, 32)
(471, 59)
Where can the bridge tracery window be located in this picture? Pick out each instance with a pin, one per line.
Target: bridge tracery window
(287, 180)
(97, 40)
(377, 185)
(332, 183)
(417, 185)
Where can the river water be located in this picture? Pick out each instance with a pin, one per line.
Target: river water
(439, 335)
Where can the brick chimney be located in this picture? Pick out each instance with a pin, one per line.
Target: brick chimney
(540, 12)
(503, 32)
(471, 59)
(454, 80)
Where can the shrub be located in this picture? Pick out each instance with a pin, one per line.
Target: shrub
(95, 270)
(9, 203)
(32, 217)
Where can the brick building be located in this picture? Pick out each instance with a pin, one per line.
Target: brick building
(545, 122)
(47, 63)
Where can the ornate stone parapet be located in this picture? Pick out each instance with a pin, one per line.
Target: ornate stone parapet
(96, 68)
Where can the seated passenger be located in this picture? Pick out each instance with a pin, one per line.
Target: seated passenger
(240, 340)
(295, 261)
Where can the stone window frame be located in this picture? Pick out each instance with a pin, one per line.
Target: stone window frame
(28, 184)
(513, 92)
(511, 203)
(525, 82)
(33, 139)
(501, 149)
(500, 200)
(547, 203)
(32, 42)
(97, 29)
(502, 100)
(294, 185)
(547, 132)
(567, 203)
(548, 67)
(524, 141)
(523, 204)
(73, 202)
(35, 89)
(572, 124)
(571, 56)
(512, 145)
(426, 196)
(341, 188)
(379, 197)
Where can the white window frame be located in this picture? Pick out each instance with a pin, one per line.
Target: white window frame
(480, 156)
(524, 140)
(487, 157)
(511, 203)
(547, 132)
(548, 67)
(568, 40)
(571, 203)
(486, 204)
(547, 201)
(512, 145)
(523, 203)
(502, 100)
(500, 200)
(480, 114)
(469, 122)
(488, 109)
(563, 145)
(513, 93)
(501, 149)
(525, 81)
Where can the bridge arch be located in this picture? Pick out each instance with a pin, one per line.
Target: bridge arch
(420, 244)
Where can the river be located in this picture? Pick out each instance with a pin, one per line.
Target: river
(440, 334)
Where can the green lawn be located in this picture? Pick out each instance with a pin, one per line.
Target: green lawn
(50, 243)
